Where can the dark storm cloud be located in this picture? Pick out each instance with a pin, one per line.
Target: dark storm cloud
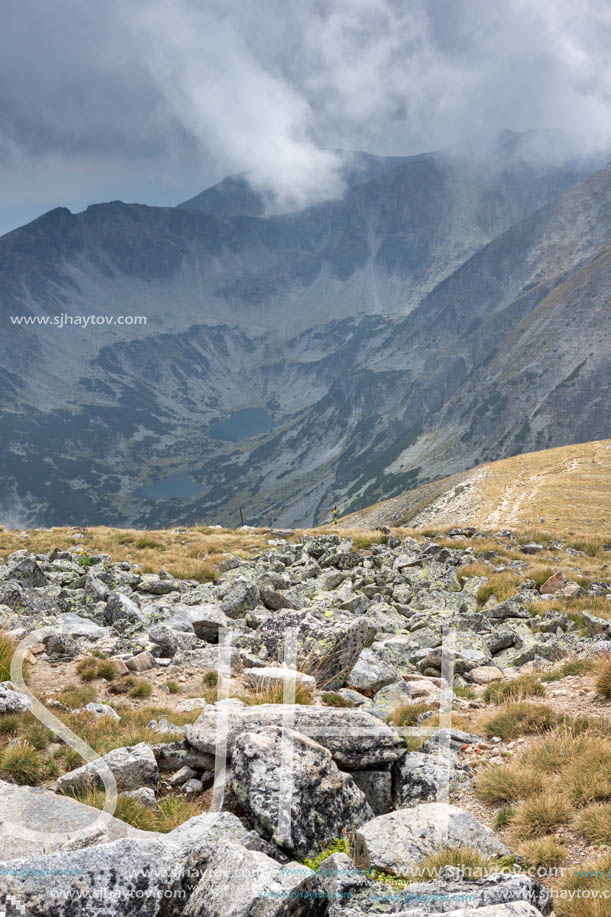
(155, 98)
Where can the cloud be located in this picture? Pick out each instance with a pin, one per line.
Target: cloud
(184, 91)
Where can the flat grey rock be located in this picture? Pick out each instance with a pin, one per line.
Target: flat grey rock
(399, 840)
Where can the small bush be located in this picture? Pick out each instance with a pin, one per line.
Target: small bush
(519, 719)
(338, 845)
(465, 691)
(77, 696)
(594, 822)
(276, 695)
(575, 667)
(504, 817)
(22, 763)
(173, 687)
(174, 811)
(539, 815)
(359, 542)
(87, 669)
(515, 689)
(141, 689)
(11, 724)
(210, 679)
(107, 669)
(587, 778)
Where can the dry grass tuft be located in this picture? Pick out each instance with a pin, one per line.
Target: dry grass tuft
(540, 814)
(516, 689)
(499, 784)
(518, 719)
(594, 822)
(543, 851)
(603, 678)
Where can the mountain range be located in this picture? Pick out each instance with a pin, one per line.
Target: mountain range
(445, 311)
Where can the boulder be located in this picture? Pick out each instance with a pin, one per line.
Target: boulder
(327, 650)
(207, 621)
(418, 777)
(485, 674)
(122, 612)
(12, 701)
(321, 800)
(555, 582)
(264, 677)
(99, 710)
(275, 600)
(399, 840)
(59, 644)
(27, 572)
(370, 673)
(127, 877)
(240, 599)
(133, 767)
(377, 787)
(573, 591)
(452, 739)
(391, 697)
(169, 640)
(355, 738)
(243, 883)
(142, 662)
(510, 608)
(171, 756)
(351, 894)
(38, 810)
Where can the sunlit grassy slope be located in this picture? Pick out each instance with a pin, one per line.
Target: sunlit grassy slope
(568, 488)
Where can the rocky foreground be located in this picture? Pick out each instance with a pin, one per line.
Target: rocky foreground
(352, 635)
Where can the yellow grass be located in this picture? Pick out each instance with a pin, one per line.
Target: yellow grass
(568, 487)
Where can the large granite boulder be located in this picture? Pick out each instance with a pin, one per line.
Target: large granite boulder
(245, 883)
(356, 739)
(418, 777)
(327, 650)
(293, 792)
(126, 877)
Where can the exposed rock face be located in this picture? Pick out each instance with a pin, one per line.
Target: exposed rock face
(321, 801)
(397, 841)
(326, 651)
(133, 767)
(420, 777)
(127, 877)
(240, 882)
(555, 582)
(356, 739)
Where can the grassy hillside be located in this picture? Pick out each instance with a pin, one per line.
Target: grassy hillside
(567, 489)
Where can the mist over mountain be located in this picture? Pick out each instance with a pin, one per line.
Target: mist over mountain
(445, 310)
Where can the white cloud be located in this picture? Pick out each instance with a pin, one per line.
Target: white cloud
(189, 90)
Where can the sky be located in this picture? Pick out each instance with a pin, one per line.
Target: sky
(154, 100)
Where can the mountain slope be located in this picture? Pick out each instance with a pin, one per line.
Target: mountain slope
(565, 489)
(336, 355)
